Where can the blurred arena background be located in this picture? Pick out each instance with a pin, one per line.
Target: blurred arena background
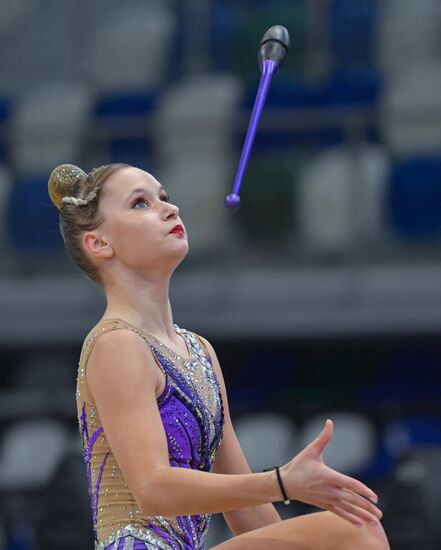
(324, 288)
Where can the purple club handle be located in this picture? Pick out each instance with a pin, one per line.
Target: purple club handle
(269, 67)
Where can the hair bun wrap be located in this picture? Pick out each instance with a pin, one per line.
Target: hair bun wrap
(62, 181)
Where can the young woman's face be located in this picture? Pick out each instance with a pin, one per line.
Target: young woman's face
(138, 218)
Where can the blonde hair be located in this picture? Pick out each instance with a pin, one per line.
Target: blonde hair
(76, 195)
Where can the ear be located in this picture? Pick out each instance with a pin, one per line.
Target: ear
(97, 246)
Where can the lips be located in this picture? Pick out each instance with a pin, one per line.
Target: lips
(177, 229)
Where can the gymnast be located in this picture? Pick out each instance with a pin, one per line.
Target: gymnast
(159, 447)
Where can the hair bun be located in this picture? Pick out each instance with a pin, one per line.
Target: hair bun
(62, 181)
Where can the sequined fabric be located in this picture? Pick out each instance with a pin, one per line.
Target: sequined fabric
(129, 543)
(191, 410)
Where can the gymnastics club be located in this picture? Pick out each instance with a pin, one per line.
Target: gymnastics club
(273, 50)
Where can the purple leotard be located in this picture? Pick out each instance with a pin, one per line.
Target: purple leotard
(191, 410)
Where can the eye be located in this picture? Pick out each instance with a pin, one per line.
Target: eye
(137, 201)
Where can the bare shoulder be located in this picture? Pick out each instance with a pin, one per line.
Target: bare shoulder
(119, 340)
(121, 357)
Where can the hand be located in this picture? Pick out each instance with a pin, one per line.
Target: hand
(307, 478)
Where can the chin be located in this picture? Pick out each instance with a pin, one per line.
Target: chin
(184, 252)
(179, 255)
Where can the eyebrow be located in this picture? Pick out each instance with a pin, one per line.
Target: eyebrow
(143, 190)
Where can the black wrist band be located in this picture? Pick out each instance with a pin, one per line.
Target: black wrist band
(286, 500)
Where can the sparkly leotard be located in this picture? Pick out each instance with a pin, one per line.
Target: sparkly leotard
(192, 414)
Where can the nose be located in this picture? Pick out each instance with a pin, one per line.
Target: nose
(171, 211)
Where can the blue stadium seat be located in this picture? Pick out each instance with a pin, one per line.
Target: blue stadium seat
(6, 105)
(353, 26)
(31, 218)
(379, 467)
(226, 23)
(346, 87)
(126, 107)
(237, 29)
(354, 86)
(351, 88)
(128, 104)
(414, 199)
(286, 92)
(402, 434)
(398, 437)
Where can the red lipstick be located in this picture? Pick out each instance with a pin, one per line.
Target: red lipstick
(177, 229)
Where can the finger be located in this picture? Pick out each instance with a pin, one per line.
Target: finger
(342, 496)
(323, 438)
(357, 500)
(356, 486)
(348, 516)
(358, 512)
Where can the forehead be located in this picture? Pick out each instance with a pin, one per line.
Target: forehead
(122, 182)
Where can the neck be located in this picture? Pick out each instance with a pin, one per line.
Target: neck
(143, 302)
